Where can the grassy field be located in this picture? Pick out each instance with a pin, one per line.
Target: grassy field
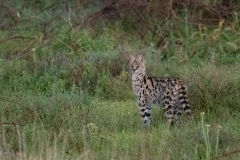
(76, 125)
(65, 90)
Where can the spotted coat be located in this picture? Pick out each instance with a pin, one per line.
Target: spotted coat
(170, 92)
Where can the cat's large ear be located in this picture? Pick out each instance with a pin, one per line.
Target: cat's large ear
(132, 58)
(140, 58)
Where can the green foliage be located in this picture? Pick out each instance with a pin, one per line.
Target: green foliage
(210, 88)
(224, 44)
(218, 45)
(66, 93)
(73, 125)
(80, 42)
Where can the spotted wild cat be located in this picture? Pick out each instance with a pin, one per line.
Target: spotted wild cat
(169, 92)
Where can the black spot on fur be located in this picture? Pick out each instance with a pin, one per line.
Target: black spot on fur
(183, 92)
(180, 98)
(169, 112)
(186, 108)
(148, 114)
(184, 102)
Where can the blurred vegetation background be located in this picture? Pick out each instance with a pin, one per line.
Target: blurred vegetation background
(64, 75)
(57, 45)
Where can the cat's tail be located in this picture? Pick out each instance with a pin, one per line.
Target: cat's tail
(184, 101)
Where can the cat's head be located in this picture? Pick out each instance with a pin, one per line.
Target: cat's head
(137, 64)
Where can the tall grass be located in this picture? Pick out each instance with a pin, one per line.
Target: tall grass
(78, 126)
(70, 96)
(56, 123)
(73, 124)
